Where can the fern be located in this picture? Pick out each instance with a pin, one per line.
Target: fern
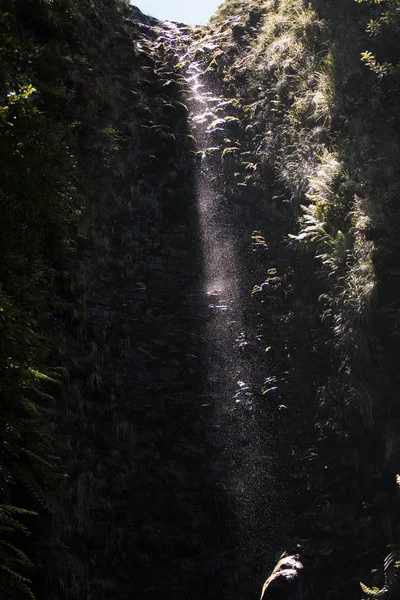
(12, 558)
(16, 579)
(9, 524)
(21, 557)
(374, 592)
(35, 459)
(313, 225)
(391, 568)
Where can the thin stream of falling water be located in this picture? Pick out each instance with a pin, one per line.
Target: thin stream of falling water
(231, 370)
(239, 435)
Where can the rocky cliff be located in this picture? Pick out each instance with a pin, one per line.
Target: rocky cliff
(136, 458)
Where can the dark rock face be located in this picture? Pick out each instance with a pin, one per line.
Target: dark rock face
(285, 581)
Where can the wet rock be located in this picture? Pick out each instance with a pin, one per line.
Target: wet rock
(140, 291)
(325, 549)
(154, 265)
(99, 312)
(132, 233)
(285, 581)
(145, 376)
(98, 534)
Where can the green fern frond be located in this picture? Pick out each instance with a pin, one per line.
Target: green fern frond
(14, 575)
(25, 590)
(16, 510)
(21, 557)
(374, 592)
(31, 409)
(40, 393)
(19, 580)
(391, 567)
(38, 375)
(37, 459)
(9, 524)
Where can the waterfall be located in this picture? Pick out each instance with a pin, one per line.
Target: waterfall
(232, 342)
(239, 441)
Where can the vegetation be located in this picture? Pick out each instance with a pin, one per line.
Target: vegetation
(384, 27)
(81, 231)
(324, 123)
(37, 210)
(96, 253)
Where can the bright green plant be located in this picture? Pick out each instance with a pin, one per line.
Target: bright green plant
(384, 22)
